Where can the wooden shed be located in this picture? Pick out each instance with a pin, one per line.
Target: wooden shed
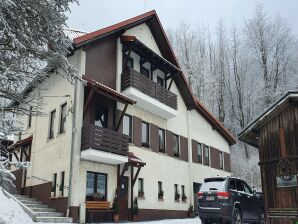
(275, 134)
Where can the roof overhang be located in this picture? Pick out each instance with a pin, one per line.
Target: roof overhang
(251, 132)
(107, 91)
(22, 142)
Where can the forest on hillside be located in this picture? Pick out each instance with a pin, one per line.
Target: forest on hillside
(237, 71)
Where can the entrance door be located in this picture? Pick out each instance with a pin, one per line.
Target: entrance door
(123, 198)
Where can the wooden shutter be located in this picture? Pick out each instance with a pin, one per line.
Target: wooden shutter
(153, 135)
(184, 148)
(194, 151)
(227, 162)
(214, 158)
(137, 131)
(169, 143)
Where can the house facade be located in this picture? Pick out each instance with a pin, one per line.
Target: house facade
(131, 128)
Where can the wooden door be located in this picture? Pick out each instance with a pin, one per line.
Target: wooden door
(123, 198)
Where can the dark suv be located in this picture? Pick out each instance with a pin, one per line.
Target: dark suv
(229, 200)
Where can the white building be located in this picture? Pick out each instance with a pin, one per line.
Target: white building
(136, 123)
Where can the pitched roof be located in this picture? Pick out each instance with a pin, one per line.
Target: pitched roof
(249, 134)
(167, 52)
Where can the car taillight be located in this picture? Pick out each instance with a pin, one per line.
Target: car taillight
(223, 195)
(200, 195)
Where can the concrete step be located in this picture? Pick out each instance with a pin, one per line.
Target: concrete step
(49, 214)
(54, 219)
(37, 205)
(31, 202)
(43, 209)
(26, 199)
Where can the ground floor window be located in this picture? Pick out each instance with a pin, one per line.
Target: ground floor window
(96, 186)
(141, 187)
(160, 190)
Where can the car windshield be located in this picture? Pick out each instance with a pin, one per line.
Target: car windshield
(213, 185)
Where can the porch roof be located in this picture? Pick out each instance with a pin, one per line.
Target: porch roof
(107, 91)
(21, 142)
(133, 160)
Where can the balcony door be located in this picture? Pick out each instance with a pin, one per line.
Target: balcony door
(101, 116)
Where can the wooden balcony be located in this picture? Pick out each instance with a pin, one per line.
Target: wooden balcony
(132, 78)
(105, 141)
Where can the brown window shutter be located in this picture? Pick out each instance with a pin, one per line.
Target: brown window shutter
(184, 148)
(227, 162)
(169, 143)
(194, 151)
(214, 157)
(153, 137)
(137, 131)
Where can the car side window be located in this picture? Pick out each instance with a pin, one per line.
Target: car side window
(239, 186)
(247, 189)
(233, 185)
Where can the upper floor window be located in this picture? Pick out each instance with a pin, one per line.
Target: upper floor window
(30, 117)
(145, 134)
(161, 137)
(221, 160)
(160, 81)
(63, 118)
(200, 157)
(101, 116)
(176, 145)
(127, 126)
(145, 71)
(206, 155)
(52, 124)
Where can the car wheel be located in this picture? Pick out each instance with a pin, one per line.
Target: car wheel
(204, 221)
(261, 217)
(237, 217)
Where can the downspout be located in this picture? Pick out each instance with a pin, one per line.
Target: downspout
(72, 145)
(189, 158)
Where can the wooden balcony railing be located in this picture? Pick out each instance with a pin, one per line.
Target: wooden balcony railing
(104, 139)
(132, 78)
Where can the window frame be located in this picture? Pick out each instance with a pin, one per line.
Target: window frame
(162, 150)
(140, 187)
(207, 161)
(62, 183)
(177, 155)
(160, 190)
(200, 157)
(130, 129)
(51, 134)
(95, 184)
(62, 128)
(221, 160)
(54, 185)
(143, 68)
(145, 144)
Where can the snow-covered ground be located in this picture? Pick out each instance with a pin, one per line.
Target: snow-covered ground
(12, 213)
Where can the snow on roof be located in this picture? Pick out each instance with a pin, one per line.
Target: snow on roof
(72, 33)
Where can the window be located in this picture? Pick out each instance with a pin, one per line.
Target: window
(161, 136)
(140, 187)
(183, 193)
(96, 186)
(144, 71)
(239, 186)
(127, 126)
(247, 189)
(63, 118)
(233, 185)
(200, 157)
(177, 194)
(145, 134)
(160, 81)
(52, 124)
(54, 183)
(101, 116)
(207, 159)
(221, 162)
(176, 145)
(160, 190)
(61, 187)
(30, 117)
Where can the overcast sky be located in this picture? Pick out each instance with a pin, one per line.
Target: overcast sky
(92, 15)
